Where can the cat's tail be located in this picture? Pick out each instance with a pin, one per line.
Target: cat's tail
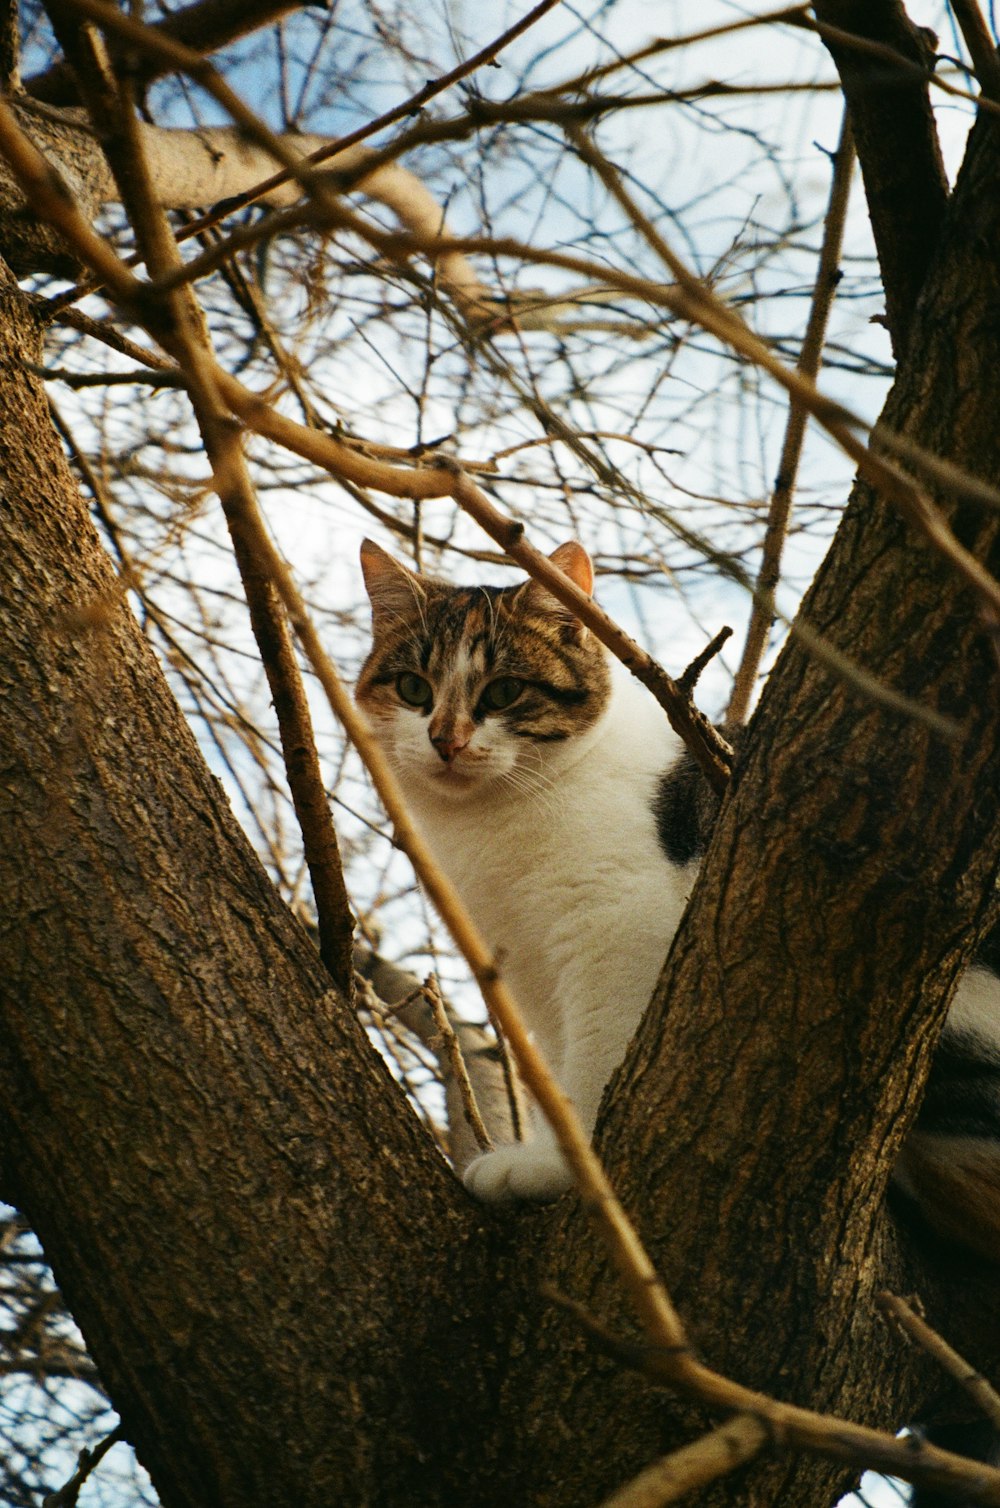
(950, 1165)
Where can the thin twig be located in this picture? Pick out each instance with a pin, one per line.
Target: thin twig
(714, 1455)
(393, 986)
(985, 1396)
(689, 678)
(788, 1426)
(808, 364)
(154, 377)
(456, 1063)
(69, 1492)
(109, 335)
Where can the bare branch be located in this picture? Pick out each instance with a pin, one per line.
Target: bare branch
(689, 678)
(985, 1396)
(808, 364)
(897, 144)
(981, 45)
(493, 1086)
(207, 25)
(788, 1426)
(456, 1062)
(716, 1454)
(69, 1492)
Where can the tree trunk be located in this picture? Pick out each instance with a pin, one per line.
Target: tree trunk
(269, 1261)
(759, 1113)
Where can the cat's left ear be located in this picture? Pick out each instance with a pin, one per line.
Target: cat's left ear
(395, 591)
(574, 562)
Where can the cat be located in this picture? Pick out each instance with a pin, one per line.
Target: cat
(532, 762)
(572, 821)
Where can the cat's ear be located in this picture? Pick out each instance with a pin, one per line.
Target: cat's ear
(394, 590)
(574, 562)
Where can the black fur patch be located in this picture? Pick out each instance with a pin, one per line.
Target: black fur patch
(685, 806)
(963, 1090)
(988, 953)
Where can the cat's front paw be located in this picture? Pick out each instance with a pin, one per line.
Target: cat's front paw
(527, 1170)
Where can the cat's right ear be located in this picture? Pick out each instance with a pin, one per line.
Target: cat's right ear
(574, 562)
(394, 590)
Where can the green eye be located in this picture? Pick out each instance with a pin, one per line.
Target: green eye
(414, 690)
(502, 693)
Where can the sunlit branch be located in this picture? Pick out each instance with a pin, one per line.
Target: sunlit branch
(916, 1328)
(206, 25)
(687, 298)
(791, 1427)
(808, 364)
(981, 45)
(170, 53)
(118, 127)
(708, 311)
(705, 1460)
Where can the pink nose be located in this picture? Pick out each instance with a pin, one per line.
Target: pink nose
(448, 745)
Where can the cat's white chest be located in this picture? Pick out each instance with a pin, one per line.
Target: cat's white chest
(570, 887)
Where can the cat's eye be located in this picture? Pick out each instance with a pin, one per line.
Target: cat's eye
(502, 693)
(414, 690)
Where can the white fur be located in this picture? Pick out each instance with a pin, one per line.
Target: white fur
(975, 1006)
(553, 848)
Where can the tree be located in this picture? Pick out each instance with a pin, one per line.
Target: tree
(285, 1290)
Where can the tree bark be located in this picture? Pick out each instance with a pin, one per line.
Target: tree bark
(897, 143)
(759, 1113)
(271, 1264)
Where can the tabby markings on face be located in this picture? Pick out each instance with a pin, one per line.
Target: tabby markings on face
(468, 685)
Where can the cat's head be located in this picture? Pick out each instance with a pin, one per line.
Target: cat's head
(476, 687)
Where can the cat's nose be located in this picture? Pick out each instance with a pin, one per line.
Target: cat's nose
(448, 745)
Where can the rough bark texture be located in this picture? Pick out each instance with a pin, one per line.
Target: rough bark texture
(758, 1116)
(896, 140)
(239, 1206)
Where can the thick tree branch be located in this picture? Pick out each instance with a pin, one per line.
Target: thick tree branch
(897, 145)
(152, 989)
(982, 47)
(205, 26)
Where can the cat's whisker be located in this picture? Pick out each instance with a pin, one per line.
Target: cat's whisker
(538, 788)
